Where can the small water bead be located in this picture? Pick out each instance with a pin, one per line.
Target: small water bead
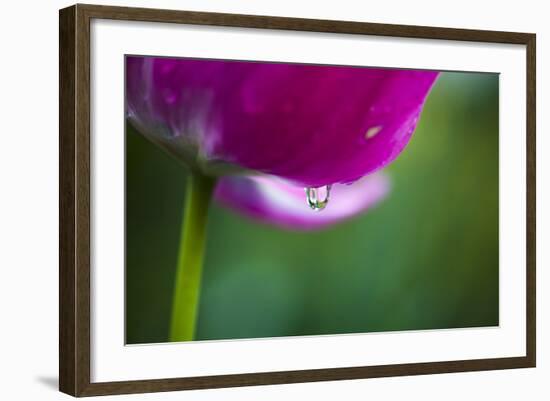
(373, 131)
(313, 197)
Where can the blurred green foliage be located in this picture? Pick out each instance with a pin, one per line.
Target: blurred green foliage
(426, 258)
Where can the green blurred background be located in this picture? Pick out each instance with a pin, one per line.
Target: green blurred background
(425, 258)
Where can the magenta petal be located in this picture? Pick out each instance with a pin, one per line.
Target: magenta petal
(311, 124)
(278, 202)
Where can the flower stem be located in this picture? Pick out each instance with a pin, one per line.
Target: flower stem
(190, 258)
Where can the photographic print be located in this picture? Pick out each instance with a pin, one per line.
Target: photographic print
(277, 199)
(255, 200)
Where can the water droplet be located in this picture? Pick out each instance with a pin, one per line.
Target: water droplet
(373, 131)
(313, 196)
(170, 96)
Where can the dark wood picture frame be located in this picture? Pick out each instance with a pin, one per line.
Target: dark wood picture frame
(74, 206)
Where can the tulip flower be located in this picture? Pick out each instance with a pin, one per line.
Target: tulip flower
(269, 139)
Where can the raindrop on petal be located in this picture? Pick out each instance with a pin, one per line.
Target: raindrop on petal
(373, 131)
(313, 197)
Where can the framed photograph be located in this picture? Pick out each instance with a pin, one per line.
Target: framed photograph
(250, 200)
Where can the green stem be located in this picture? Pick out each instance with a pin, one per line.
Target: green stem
(190, 259)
